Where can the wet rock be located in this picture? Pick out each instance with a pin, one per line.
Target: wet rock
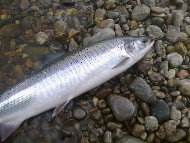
(10, 54)
(73, 22)
(10, 82)
(129, 139)
(34, 133)
(167, 129)
(142, 90)
(118, 31)
(73, 33)
(178, 17)
(41, 38)
(144, 66)
(117, 134)
(22, 139)
(180, 48)
(123, 109)
(101, 104)
(140, 13)
(107, 138)
(79, 113)
(161, 111)
(66, 133)
(173, 34)
(73, 45)
(113, 125)
(151, 123)
(145, 109)
(157, 9)
(175, 114)
(112, 14)
(27, 22)
(96, 114)
(158, 21)
(137, 130)
(133, 25)
(108, 23)
(185, 87)
(44, 4)
(103, 92)
(24, 4)
(155, 31)
(29, 63)
(60, 27)
(174, 59)
(124, 14)
(177, 136)
(10, 30)
(164, 68)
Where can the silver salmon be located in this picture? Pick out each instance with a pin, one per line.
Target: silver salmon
(67, 77)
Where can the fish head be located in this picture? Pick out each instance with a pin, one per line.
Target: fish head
(138, 46)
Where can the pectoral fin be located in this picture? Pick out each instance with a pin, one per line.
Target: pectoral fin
(8, 128)
(122, 63)
(59, 108)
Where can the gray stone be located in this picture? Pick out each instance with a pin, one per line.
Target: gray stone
(158, 47)
(173, 34)
(158, 21)
(164, 68)
(174, 59)
(142, 90)
(140, 13)
(44, 4)
(125, 27)
(170, 49)
(187, 20)
(123, 12)
(149, 2)
(22, 139)
(107, 138)
(73, 22)
(108, 23)
(129, 139)
(100, 15)
(122, 108)
(182, 37)
(184, 87)
(183, 7)
(159, 94)
(187, 30)
(175, 114)
(112, 14)
(185, 122)
(155, 31)
(133, 33)
(171, 74)
(151, 123)
(160, 10)
(175, 93)
(177, 136)
(178, 17)
(160, 111)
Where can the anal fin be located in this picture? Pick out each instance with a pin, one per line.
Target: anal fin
(59, 108)
(8, 128)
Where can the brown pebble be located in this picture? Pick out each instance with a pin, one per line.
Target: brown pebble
(3, 11)
(150, 138)
(118, 31)
(145, 109)
(11, 82)
(103, 92)
(188, 137)
(132, 97)
(183, 74)
(133, 121)
(73, 33)
(10, 54)
(29, 63)
(137, 130)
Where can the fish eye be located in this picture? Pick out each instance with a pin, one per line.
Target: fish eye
(144, 40)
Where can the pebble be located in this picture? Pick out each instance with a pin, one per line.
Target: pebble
(66, 133)
(10, 30)
(22, 138)
(159, 94)
(151, 123)
(113, 125)
(170, 49)
(187, 29)
(117, 134)
(79, 113)
(155, 31)
(118, 31)
(149, 2)
(161, 111)
(158, 21)
(108, 23)
(142, 90)
(175, 93)
(177, 18)
(183, 74)
(177, 136)
(150, 138)
(122, 108)
(34, 133)
(182, 37)
(137, 130)
(29, 63)
(18, 72)
(60, 26)
(180, 48)
(140, 13)
(103, 93)
(99, 15)
(11, 82)
(41, 38)
(112, 14)
(174, 59)
(185, 122)
(184, 87)
(167, 129)
(10, 54)
(107, 138)
(175, 114)
(155, 77)
(129, 139)
(173, 34)
(160, 10)
(96, 114)
(164, 69)
(145, 109)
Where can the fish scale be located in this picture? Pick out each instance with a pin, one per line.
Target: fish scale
(66, 78)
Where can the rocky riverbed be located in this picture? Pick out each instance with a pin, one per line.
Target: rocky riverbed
(150, 102)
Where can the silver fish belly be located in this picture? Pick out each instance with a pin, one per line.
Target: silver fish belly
(67, 77)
